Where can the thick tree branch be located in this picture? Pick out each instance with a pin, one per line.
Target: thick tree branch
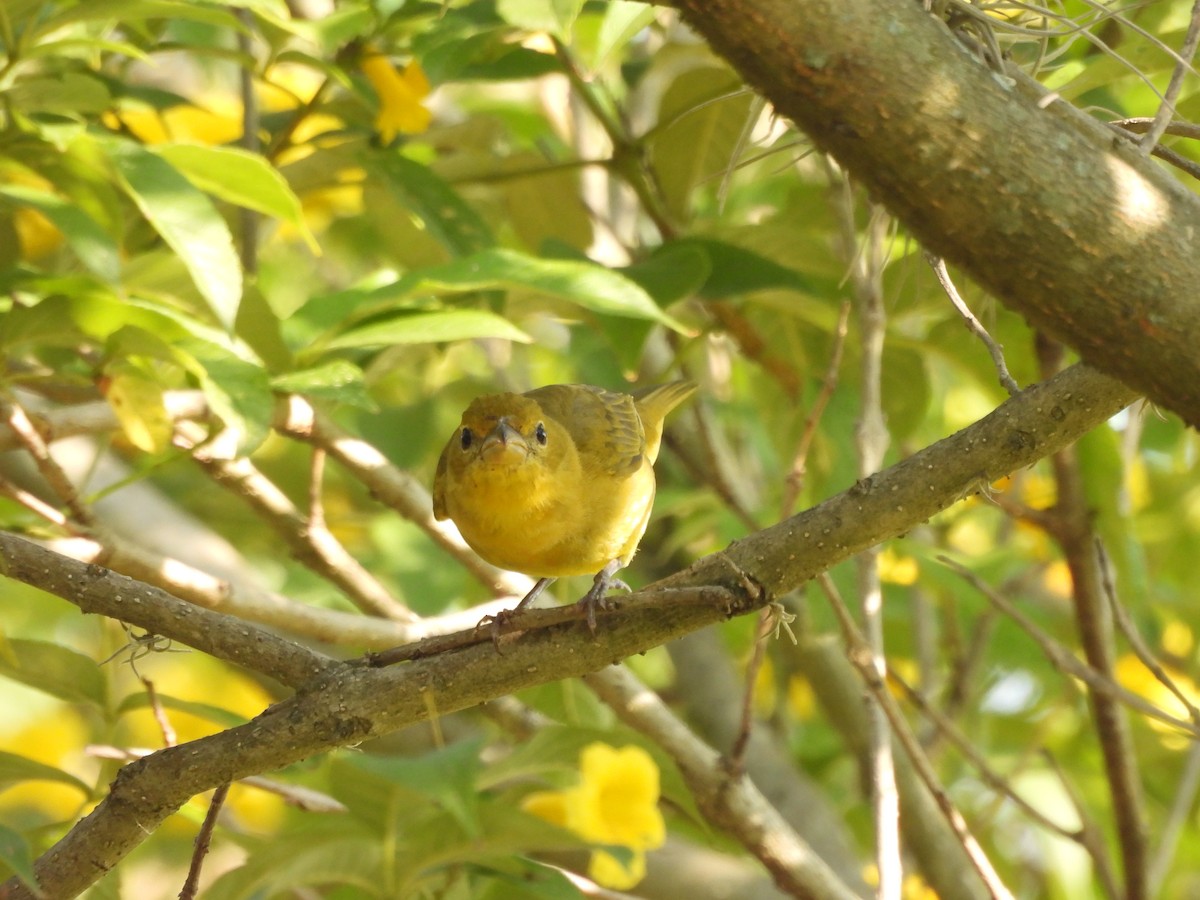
(1043, 206)
(95, 589)
(349, 703)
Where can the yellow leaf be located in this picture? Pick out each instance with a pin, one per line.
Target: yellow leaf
(138, 403)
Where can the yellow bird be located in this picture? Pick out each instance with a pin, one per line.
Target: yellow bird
(557, 481)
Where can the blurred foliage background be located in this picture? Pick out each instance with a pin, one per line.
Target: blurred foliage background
(391, 207)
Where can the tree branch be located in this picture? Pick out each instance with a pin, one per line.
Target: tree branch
(351, 702)
(1071, 227)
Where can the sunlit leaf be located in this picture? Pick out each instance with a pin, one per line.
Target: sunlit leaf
(242, 178)
(337, 380)
(703, 118)
(456, 224)
(187, 220)
(92, 244)
(238, 391)
(431, 327)
(138, 403)
(584, 283)
(55, 670)
(553, 16)
(623, 19)
(15, 768)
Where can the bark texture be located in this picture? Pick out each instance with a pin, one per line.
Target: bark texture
(1064, 220)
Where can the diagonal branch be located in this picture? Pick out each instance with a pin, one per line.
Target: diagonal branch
(348, 703)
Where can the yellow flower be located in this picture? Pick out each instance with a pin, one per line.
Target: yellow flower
(615, 803)
(551, 806)
(37, 236)
(215, 120)
(617, 798)
(400, 95)
(608, 871)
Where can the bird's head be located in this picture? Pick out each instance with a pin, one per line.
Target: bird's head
(503, 431)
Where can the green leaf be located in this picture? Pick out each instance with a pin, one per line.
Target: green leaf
(450, 219)
(447, 775)
(338, 380)
(623, 19)
(206, 711)
(15, 768)
(64, 93)
(673, 272)
(552, 16)
(15, 853)
(734, 270)
(238, 391)
(55, 670)
(94, 247)
(239, 177)
(430, 328)
(704, 114)
(586, 284)
(337, 852)
(137, 10)
(42, 325)
(187, 220)
(906, 390)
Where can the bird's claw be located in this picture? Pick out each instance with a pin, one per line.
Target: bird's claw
(595, 598)
(495, 622)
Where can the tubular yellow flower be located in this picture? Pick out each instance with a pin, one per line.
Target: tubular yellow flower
(550, 806)
(615, 803)
(400, 95)
(608, 871)
(617, 798)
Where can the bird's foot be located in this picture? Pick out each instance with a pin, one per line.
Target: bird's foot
(595, 598)
(506, 616)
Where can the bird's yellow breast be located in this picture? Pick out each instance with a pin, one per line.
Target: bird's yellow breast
(556, 482)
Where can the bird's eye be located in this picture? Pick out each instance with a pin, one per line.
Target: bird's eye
(540, 434)
(466, 438)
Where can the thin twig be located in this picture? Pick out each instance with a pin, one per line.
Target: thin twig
(1166, 109)
(972, 322)
(170, 738)
(35, 445)
(313, 545)
(1062, 658)
(1142, 124)
(1131, 634)
(737, 753)
(316, 483)
(1075, 535)
(868, 259)
(794, 483)
(36, 505)
(997, 782)
(862, 655)
(203, 842)
(1179, 815)
(1094, 837)
(1189, 784)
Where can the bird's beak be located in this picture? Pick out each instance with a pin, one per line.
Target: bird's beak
(503, 438)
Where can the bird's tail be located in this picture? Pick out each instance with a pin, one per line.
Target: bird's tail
(654, 403)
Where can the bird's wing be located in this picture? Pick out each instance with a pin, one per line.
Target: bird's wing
(604, 425)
